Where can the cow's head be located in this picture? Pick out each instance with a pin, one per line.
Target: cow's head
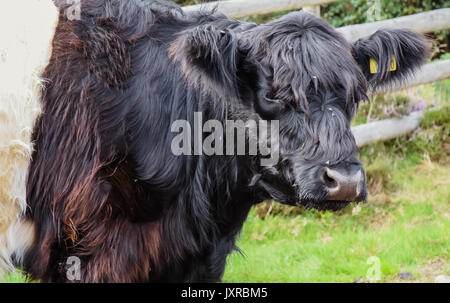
(301, 71)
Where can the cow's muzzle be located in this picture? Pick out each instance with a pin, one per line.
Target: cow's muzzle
(345, 182)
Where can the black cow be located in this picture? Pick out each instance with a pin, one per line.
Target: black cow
(104, 185)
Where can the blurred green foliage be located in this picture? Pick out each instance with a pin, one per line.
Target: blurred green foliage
(354, 11)
(190, 2)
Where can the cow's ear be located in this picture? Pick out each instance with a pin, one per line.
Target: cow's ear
(208, 56)
(390, 56)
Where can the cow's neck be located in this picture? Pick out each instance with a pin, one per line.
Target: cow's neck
(208, 236)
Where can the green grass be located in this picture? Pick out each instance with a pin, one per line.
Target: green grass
(16, 277)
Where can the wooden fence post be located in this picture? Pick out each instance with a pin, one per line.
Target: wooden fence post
(313, 9)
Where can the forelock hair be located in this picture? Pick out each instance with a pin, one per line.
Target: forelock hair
(304, 54)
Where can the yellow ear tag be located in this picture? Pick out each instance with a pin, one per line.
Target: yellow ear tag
(393, 64)
(374, 65)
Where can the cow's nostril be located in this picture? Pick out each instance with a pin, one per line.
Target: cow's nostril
(330, 182)
(342, 185)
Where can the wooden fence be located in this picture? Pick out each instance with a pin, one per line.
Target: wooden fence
(241, 8)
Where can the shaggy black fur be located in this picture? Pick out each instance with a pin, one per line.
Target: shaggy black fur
(104, 185)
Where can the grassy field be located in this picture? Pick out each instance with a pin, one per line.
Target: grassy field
(402, 228)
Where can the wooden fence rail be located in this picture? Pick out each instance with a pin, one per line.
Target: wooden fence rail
(241, 8)
(426, 22)
(430, 72)
(383, 130)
